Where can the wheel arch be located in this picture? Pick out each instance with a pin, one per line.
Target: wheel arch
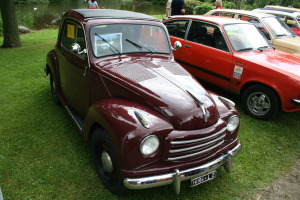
(249, 84)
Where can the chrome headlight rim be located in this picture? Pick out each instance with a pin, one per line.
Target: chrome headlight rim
(146, 141)
(233, 123)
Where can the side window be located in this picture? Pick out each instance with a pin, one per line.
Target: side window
(177, 28)
(73, 33)
(223, 14)
(208, 35)
(290, 21)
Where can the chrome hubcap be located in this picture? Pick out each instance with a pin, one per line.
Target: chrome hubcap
(259, 103)
(106, 162)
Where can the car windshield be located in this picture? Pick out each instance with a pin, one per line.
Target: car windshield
(124, 38)
(245, 37)
(277, 27)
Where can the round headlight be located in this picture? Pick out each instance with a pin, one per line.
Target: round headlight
(233, 123)
(149, 145)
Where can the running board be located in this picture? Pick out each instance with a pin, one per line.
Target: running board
(76, 118)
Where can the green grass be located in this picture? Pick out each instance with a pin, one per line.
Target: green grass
(42, 156)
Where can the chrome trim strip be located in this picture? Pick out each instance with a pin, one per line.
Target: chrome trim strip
(197, 146)
(178, 176)
(200, 103)
(296, 101)
(199, 139)
(197, 153)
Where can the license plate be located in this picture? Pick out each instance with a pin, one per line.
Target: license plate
(204, 178)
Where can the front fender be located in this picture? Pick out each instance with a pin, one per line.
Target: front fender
(117, 118)
(51, 63)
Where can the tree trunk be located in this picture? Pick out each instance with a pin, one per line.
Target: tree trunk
(10, 24)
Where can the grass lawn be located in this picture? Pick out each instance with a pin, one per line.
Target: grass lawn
(42, 156)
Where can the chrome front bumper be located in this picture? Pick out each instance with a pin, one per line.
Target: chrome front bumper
(177, 177)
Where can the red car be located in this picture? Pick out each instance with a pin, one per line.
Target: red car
(235, 56)
(148, 121)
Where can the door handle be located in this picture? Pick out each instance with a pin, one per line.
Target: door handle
(187, 46)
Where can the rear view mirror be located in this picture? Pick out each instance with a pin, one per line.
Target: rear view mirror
(177, 45)
(77, 49)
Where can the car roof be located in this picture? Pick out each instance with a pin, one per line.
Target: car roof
(213, 19)
(282, 8)
(244, 12)
(85, 14)
(279, 12)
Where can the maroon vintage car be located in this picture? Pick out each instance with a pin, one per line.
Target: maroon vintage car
(148, 121)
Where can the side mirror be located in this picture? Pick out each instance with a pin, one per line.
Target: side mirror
(77, 49)
(177, 45)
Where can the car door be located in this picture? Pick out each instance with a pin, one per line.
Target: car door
(73, 68)
(205, 54)
(177, 30)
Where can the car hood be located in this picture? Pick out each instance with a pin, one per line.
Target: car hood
(291, 44)
(166, 88)
(276, 60)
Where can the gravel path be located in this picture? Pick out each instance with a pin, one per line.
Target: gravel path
(286, 188)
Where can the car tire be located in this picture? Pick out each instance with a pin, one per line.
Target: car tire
(107, 166)
(53, 91)
(260, 102)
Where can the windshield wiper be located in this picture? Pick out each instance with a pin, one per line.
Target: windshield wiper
(110, 45)
(245, 49)
(137, 45)
(281, 35)
(262, 48)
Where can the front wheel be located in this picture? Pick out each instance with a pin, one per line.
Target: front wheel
(107, 166)
(260, 102)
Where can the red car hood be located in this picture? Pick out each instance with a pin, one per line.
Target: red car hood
(166, 88)
(274, 59)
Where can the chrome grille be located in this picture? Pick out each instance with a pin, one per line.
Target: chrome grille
(186, 148)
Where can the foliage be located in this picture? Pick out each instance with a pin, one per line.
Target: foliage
(249, 7)
(30, 1)
(43, 157)
(190, 5)
(296, 4)
(203, 8)
(1, 27)
(229, 5)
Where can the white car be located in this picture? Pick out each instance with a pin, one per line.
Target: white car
(291, 18)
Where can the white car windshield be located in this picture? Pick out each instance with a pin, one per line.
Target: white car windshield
(245, 37)
(277, 27)
(110, 39)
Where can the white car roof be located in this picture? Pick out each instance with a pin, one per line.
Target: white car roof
(243, 12)
(277, 12)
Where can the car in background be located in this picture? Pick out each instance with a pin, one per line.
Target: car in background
(282, 8)
(291, 18)
(147, 120)
(275, 30)
(234, 55)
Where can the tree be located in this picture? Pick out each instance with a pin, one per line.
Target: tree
(10, 25)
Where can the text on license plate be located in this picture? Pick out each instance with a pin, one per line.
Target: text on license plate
(204, 178)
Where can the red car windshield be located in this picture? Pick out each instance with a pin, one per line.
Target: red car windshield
(245, 37)
(128, 38)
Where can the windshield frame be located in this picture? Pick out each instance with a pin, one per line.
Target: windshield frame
(265, 44)
(138, 51)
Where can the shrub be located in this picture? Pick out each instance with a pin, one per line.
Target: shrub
(190, 5)
(229, 5)
(203, 8)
